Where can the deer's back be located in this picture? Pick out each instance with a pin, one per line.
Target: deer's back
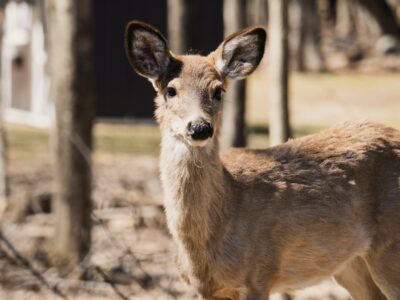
(358, 152)
(309, 195)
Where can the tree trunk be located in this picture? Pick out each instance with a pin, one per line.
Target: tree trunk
(384, 15)
(332, 12)
(71, 47)
(257, 12)
(309, 54)
(279, 68)
(298, 34)
(315, 59)
(4, 191)
(4, 187)
(233, 120)
(182, 25)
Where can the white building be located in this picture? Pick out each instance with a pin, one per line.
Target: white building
(25, 82)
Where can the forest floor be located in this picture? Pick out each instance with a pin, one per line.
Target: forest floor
(132, 256)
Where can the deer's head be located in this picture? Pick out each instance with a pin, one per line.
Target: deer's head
(190, 88)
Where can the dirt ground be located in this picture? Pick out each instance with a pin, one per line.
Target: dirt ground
(132, 255)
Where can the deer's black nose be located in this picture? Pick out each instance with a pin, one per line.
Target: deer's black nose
(200, 130)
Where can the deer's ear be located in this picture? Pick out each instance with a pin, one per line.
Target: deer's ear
(147, 49)
(240, 53)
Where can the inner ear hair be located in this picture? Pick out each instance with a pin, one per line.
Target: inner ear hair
(240, 53)
(146, 49)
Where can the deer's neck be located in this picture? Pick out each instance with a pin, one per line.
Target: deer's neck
(194, 190)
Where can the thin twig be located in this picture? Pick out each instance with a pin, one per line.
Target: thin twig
(127, 250)
(29, 266)
(111, 283)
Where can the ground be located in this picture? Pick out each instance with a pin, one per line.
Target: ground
(133, 255)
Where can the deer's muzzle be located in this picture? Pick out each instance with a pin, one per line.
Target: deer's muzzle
(200, 130)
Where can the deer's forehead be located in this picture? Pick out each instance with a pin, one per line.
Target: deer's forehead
(197, 71)
(190, 72)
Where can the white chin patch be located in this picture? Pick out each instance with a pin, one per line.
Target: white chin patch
(201, 143)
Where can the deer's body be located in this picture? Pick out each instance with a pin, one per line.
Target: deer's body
(253, 222)
(285, 217)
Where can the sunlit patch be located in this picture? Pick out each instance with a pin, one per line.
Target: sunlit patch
(198, 143)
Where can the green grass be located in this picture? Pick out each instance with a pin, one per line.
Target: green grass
(24, 138)
(29, 145)
(258, 134)
(262, 130)
(126, 138)
(108, 138)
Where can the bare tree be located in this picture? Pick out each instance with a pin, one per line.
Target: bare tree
(257, 12)
(384, 15)
(298, 33)
(316, 60)
(307, 34)
(182, 25)
(72, 90)
(4, 187)
(3, 164)
(332, 12)
(233, 121)
(279, 68)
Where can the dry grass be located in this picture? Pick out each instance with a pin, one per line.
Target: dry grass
(322, 100)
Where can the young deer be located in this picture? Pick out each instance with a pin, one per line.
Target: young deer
(253, 222)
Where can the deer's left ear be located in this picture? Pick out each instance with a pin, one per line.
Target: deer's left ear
(240, 53)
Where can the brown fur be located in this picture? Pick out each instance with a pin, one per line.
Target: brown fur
(252, 222)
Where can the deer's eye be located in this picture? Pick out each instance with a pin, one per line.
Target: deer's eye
(171, 92)
(217, 95)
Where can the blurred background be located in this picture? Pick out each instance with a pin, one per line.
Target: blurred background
(80, 199)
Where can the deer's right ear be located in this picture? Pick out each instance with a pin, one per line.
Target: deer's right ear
(147, 49)
(240, 53)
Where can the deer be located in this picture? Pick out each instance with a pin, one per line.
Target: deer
(251, 222)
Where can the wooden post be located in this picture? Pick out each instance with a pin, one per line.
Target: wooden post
(233, 120)
(72, 91)
(279, 68)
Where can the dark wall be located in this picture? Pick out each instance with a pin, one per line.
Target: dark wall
(120, 92)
